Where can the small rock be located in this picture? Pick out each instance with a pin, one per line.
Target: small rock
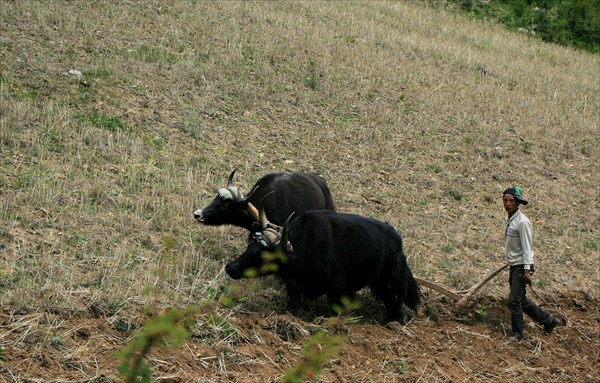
(75, 73)
(499, 152)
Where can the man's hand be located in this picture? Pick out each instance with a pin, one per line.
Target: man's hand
(527, 276)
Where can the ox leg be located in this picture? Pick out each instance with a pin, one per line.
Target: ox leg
(336, 306)
(401, 315)
(399, 290)
(393, 306)
(293, 298)
(335, 294)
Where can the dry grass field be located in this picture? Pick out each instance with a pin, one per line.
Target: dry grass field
(119, 119)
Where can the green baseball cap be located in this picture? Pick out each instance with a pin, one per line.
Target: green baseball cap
(517, 192)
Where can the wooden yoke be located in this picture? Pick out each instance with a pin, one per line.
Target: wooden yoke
(253, 210)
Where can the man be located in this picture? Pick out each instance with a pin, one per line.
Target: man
(519, 253)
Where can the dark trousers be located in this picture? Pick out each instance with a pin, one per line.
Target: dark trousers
(519, 303)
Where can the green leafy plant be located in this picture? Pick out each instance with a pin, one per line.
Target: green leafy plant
(113, 124)
(316, 352)
(122, 325)
(346, 307)
(482, 312)
(152, 55)
(15, 91)
(585, 146)
(526, 146)
(347, 38)
(432, 312)
(448, 248)
(170, 328)
(214, 328)
(401, 366)
(470, 140)
(313, 79)
(249, 54)
(57, 341)
(590, 244)
(456, 194)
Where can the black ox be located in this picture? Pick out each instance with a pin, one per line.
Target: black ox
(294, 192)
(324, 252)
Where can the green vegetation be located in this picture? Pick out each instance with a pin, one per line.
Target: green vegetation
(312, 78)
(401, 366)
(482, 312)
(97, 119)
(57, 341)
(316, 351)
(169, 329)
(590, 244)
(151, 54)
(574, 23)
(526, 146)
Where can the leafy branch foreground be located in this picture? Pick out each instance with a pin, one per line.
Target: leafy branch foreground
(171, 329)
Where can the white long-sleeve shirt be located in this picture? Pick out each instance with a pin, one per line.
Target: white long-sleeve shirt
(518, 241)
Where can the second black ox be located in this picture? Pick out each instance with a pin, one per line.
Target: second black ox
(292, 192)
(324, 252)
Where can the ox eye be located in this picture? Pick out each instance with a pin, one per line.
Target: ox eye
(225, 204)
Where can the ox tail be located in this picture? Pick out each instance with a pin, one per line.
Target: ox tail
(411, 290)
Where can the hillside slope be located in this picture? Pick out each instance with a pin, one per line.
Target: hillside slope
(118, 120)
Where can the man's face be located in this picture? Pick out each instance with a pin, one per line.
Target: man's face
(511, 205)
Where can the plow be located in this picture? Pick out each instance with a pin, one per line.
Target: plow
(461, 300)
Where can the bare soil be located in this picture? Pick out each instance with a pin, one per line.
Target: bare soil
(442, 344)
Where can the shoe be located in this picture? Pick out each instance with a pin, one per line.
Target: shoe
(548, 328)
(515, 338)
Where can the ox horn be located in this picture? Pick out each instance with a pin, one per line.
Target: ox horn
(230, 180)
(262, 216)
(283, 243)
(269, 230)
(250, 194)
(235, 193)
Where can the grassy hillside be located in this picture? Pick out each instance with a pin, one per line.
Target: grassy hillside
(118, 120)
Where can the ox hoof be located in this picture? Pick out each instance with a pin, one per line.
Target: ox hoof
(394, 326)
